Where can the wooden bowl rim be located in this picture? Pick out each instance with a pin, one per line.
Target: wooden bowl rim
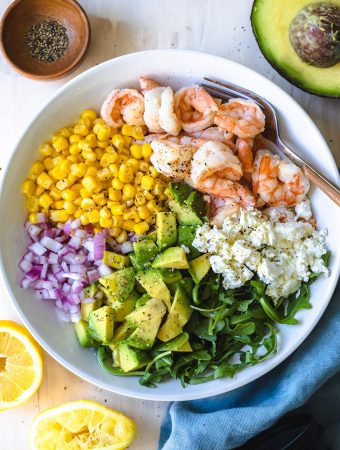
(60, 73)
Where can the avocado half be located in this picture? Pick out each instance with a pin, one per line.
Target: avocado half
(271, 20)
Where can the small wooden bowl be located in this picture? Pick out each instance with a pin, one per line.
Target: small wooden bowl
(21, 15)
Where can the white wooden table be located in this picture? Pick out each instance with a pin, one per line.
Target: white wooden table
(220, 27)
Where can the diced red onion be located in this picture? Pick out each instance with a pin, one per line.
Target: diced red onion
(88, 300)
(29, 256)
(34, 230)
(77, 287)
(75, 224)
(37, 248)
(126, 247)
(80, 233)
(44, 271)
(64, 267)
(75, 242)
(41, 217)
(53, 258)
(67, 227)
(98, 245)
(77, 268)
(76, 316)
(25, 265)
(93, 275)
(51, 244)
(66, 288)
(104, 270)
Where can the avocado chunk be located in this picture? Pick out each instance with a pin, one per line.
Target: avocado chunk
(151, 280)
(91, 290)
(122, 309)
(152, 236)
(275, 42)
(83, 334)
(130, 358)
(145, 334)
(119, 284)
(186, 283)
(166, 229)
(142, 300)
(170, 276)
(101, 324)
(115, 260)
(152, 308)
(186, 348)
(199, 267)
(186, 235)
(144, 252)
(171, 258)
(121, 333)
(175, 344)
(188, 204)
(87, 308)
(179, 315)
(185, 215)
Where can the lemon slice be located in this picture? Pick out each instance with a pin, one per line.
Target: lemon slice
(81, 425)
(21, 365)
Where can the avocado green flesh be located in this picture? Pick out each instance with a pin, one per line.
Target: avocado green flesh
(130, 358)
(199, 267)
(83, 334)
(119, 284)
(166, 229)
(122, 309)
(101, 324)
(271, 20)
(87, 308)
(145, 334)
(171, 258)
(151, 280)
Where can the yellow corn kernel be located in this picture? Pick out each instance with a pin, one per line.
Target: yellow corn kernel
(143, 166)
(72, 158)
(115, 231)
(105, 213)
(84, 145)
(117, 221)
(28, 187)
(141, 228)
(136, 151)
(55, 193)
(138, 133)
(45, 150)
(84, 218)
(137, 179)
(133, 163)
(36, 169)
(147, 182)
(129, 191)
(45, 201)
(127, 130)
(114, 169)
(143, 212)
(59, 204)
(103, 144)
(122, 159)
(104, 174)
(105, 223)
(78, 213)
(48, 163)
(89, 114)
(103, 132)
(128, 225)
(89, 156)
(118, 141)
(114, 194)
(99, 120)
(98, 123)
(117, 184)
(74, 149)
(152, 206)
(99, 198)
(38, 191)
(59, 143)
(59, 216)
(122, 237)
(87, 204)
(33, 218)
(69, 207)
(89, 183)
(109, 149)
(91, 171)
(65, 132)
(92, 140)
(44, 180)
(63, 184)
(158, 188)
(68, 195)
(125, 173)
(32, 204)
(139, 199)
(152, 172)
(78, 170)
(146, 151)
(71, 179)
(108, 158)
(129, 203)
(76, 188)
(77, 201)
(81, 129)
(74, 138)
(84, 193)
(118, 210)
(127, 140)
(58, 173)
(94, 216)
(99, 153)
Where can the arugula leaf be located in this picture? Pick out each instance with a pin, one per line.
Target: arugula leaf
(274, 315)
(300, 301)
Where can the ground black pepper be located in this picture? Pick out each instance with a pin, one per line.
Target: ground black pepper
(47, 41)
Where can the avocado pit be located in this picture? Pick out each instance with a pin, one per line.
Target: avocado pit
(315, 34)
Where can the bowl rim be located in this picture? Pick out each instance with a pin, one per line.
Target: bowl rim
(152, 394)
(56, 75)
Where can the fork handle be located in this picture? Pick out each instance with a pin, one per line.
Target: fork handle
(326, 186)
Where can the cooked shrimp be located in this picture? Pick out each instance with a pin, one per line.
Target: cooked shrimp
(195, 108)
(214, 160)
(244, 152)
(152, 105)
(279, 182)
(222, 208)
(123, 105)
(168, 119)
(147, 84)
(171, 158)
(214, 134)
(241, 117)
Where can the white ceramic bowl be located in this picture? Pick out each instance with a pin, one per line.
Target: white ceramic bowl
(88, 90)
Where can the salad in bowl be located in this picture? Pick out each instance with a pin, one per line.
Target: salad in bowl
(171, 237)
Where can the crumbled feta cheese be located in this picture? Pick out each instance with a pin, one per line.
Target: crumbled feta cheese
(282, 254)
(185, 248)
(303, 210)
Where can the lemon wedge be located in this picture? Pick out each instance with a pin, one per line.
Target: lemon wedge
(21, 365)
(81, 425)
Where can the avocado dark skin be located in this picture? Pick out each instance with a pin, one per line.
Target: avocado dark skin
(315, 34)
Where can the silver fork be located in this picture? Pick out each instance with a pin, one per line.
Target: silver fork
(225, 91)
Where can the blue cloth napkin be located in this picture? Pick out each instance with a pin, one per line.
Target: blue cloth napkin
(229, 420)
